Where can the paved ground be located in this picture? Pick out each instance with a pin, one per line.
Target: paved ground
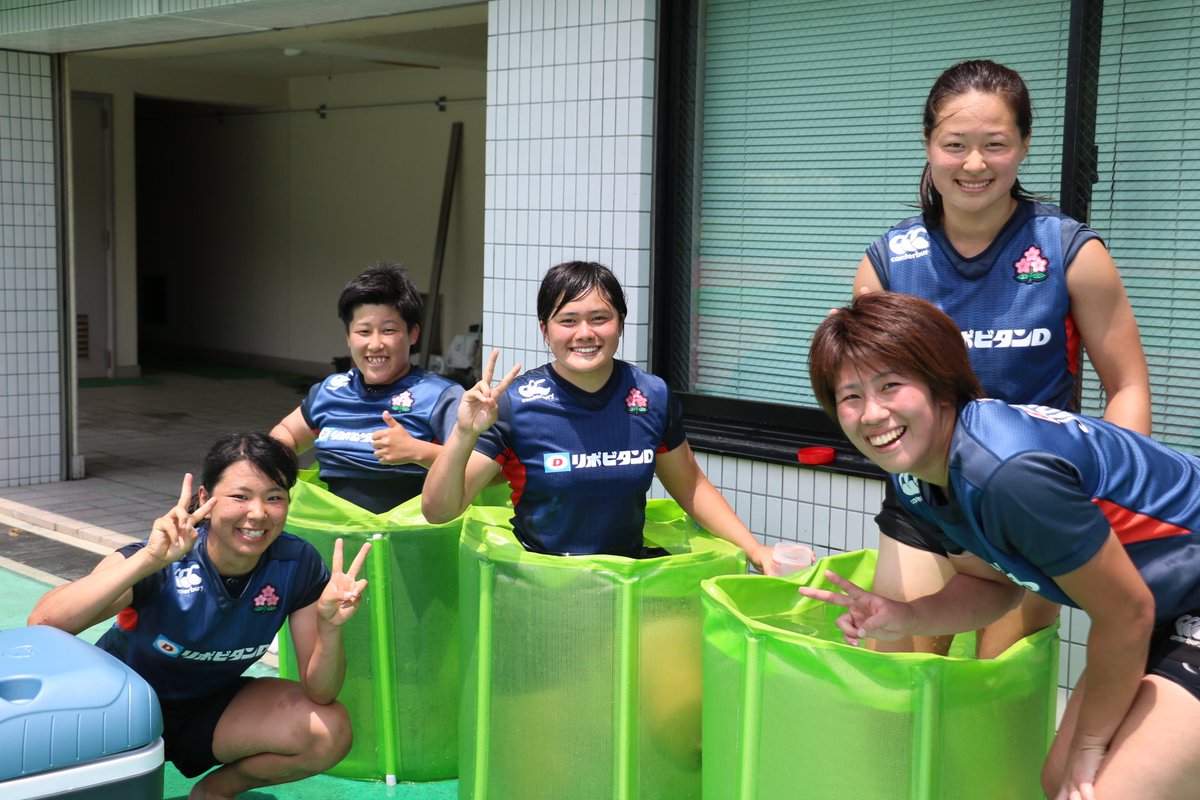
(138, 440)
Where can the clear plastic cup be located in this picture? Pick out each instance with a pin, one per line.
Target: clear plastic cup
(790, 557)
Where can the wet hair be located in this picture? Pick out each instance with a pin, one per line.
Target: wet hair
(384, 283)
(571, 280)
(986, 77)
(898, 332)
(266, 454)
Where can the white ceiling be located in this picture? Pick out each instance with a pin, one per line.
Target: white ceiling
(285, 38)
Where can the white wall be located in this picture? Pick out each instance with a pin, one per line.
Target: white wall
(263, 217)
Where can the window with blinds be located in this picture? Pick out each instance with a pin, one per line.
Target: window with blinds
(1147, 201)
(809, 147)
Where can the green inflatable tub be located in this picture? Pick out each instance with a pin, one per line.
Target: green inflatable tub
(402, 680)
(791, 712)
(581, 675)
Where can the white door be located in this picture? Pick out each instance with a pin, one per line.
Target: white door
(91, 178)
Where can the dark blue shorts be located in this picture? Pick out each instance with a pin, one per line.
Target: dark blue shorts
(189, 725)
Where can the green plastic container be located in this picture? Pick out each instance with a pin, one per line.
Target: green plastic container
(792, 712)
(401, 686)
(581, 675)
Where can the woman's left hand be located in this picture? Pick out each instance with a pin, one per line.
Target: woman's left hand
(342, 594)
(394, 444)
(1083, 763)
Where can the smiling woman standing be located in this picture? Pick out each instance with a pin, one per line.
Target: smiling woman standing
(579, 439)
(1026, 285)
(201, 599)
(378, 427)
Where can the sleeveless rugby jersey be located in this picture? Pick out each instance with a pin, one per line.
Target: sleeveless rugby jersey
(1010, 302)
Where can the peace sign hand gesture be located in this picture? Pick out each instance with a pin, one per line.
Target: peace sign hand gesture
(174, 534)
(478, 410)
(342, 594)
(868, 615)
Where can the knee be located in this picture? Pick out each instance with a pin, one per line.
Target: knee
(330, 735)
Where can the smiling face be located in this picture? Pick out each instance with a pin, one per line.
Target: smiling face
(248, 516)
(974, 151)
(583, 336)
(379, 343)
(895, 421)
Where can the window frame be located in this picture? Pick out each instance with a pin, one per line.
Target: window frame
(767, 431)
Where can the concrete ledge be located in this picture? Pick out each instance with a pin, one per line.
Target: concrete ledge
(65, 525)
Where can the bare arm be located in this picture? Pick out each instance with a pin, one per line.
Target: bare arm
(317, 629)
(865, 278)
(108, 588)
(459, 473)
(1101, 310)
(974, 596)
(682, 477)
(1121, 609)
(294, 432)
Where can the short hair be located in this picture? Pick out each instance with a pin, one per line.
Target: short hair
(571, 280)
(899, 332)
(985, 77)
(384, 283)
(266, 454)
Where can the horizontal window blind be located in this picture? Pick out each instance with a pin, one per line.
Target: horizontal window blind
(1147, 201)
(810, 128)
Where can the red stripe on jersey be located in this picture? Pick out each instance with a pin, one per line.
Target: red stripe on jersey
(127, 619)
(514, 472)
(1132, 527)
(1073, 340)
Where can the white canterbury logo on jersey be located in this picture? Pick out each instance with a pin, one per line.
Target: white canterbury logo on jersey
(910, 486)
(1012, 337)
(534, 390)
(1187, 630)
(908, 245)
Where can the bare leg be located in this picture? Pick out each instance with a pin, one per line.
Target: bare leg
(1154, 754)
(903, 572)
(272, 733)
(1034, 613)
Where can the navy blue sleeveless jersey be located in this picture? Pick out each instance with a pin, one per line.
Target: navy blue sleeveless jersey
(187, 637)
(1035, 492)
(580, 464)
(1010, 301)
(343, 412)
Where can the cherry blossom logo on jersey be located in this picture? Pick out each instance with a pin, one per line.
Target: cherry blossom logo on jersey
(267, 599)
(402, 402)
(1031, 267)
(636, 402)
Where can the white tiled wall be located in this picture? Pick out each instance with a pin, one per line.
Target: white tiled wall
(30, 396)
(570, 123)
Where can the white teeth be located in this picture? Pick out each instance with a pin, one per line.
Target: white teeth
(252, 534)
(886, 438)
(376, 360)
(587, 351)
(973, 184)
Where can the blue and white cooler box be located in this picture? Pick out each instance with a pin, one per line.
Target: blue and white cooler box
(74, 721)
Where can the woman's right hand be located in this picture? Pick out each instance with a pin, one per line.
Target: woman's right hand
(478, 410)
(174, 534)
